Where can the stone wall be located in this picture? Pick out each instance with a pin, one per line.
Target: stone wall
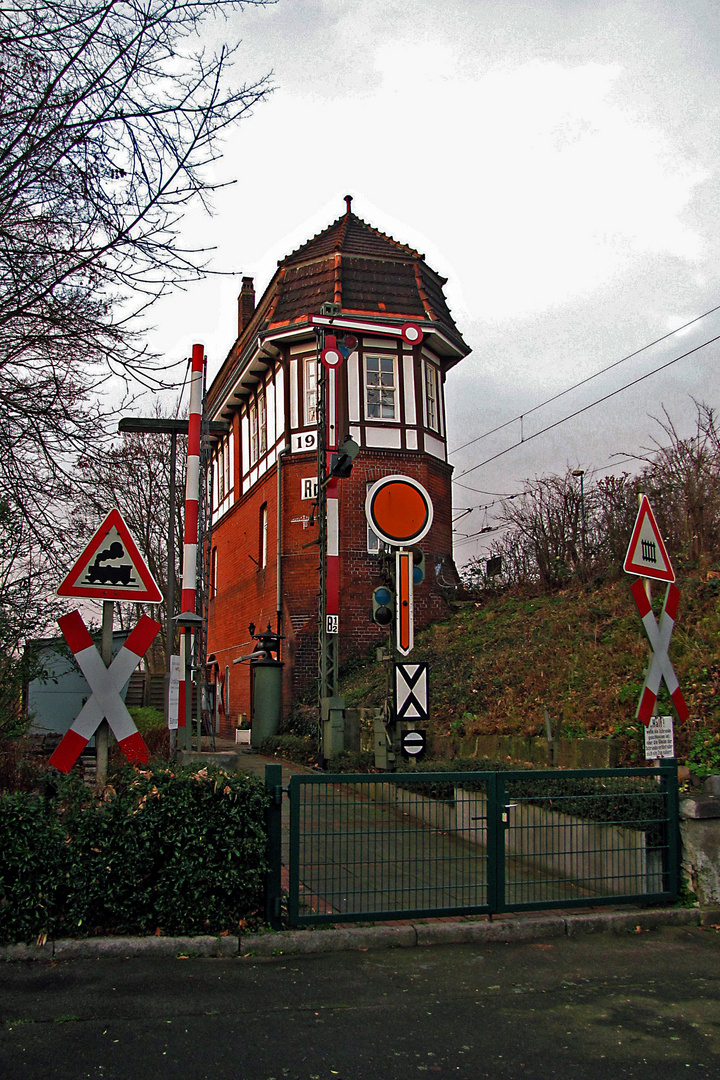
(700, 835)
(561, 753)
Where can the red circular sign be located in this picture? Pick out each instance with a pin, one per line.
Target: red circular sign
(331, 357)
(411, 333)
(399, 510)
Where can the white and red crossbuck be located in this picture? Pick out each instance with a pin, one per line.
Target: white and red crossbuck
(105, 683)
(660, 666)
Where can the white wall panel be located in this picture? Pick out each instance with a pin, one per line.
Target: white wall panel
(353, 374)
(409, 380)
(270, 409)
(245, 445)
(294, 394)
(388, 438)
(434, 446)
(280, 401)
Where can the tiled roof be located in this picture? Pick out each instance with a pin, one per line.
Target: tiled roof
(364, 271)
(356, 266)
(353, 236)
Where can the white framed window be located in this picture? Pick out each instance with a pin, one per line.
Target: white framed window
(213, 573)
(310, 388)
(253, 414)
(373, 540)
(432, 397)
(227, 475)
(381, 388)
(217, 492)
(223, 470)
(262, 425)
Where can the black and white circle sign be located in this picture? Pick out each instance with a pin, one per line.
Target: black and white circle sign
(412, 744)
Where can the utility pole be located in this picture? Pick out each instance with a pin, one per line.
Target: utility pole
(581, 474)
(333, 462)
(154, 425)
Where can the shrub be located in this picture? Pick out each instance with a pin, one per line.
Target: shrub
(33, 865)
(179, 851)
(147, 718)
(300, 748)
(352, 761)
(704, 754)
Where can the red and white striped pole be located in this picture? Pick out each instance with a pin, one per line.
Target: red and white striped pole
(332, 358)
(189, 579)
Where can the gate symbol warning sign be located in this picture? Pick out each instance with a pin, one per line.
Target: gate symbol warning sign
(646, 553)
(411, 691)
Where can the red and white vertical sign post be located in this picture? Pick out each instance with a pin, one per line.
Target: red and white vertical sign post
(404, 620)
(400, 512)
(189, 581)
(332, 358)
(647, 557)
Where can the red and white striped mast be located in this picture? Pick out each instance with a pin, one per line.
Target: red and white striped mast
(188, 600)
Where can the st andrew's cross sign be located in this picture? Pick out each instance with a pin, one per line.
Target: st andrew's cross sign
(105, 684)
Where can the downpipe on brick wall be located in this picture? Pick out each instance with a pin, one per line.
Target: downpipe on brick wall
(278, 602)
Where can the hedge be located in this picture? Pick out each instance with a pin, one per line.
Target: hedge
(175, 851)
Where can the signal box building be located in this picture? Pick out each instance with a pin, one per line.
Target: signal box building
(363, 286)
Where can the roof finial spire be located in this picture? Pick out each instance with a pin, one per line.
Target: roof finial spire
(348, 203)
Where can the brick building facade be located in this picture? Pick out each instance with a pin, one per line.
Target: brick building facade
(364, 287)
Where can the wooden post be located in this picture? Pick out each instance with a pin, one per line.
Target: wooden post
(102, 735)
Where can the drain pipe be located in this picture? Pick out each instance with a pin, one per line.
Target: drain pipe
(278, 605)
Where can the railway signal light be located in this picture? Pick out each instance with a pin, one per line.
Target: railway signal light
(383, 605)
(418, 565)
(342, 462)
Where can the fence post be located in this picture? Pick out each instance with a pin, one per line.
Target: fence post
(669, 785)
(273, 822)
(495, 843)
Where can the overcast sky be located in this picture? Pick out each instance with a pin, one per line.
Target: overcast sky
(556, 161)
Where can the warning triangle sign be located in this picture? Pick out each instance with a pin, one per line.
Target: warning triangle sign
(111, 567)
(646, 553)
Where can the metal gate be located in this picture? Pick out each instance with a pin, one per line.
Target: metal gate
(420, 844)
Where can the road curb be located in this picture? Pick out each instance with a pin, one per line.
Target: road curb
(123, 947)
(514, 928)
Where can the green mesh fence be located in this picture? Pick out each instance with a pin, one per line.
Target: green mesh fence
(393, 846)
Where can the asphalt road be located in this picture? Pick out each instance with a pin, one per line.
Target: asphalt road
(602, 1006)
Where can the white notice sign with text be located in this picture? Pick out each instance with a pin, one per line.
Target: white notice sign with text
(659, 742)
(174, 693)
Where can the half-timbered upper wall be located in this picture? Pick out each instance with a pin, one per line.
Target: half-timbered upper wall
(395, 398)
(391, 398)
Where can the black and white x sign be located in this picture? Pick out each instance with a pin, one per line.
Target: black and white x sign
(411, 691)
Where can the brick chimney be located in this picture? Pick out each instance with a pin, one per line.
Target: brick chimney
(246, 304)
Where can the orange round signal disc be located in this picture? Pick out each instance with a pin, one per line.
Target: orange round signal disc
(399, 510)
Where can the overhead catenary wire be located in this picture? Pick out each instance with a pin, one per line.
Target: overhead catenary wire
(583, 382)
(467, 538)
(585, 408)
